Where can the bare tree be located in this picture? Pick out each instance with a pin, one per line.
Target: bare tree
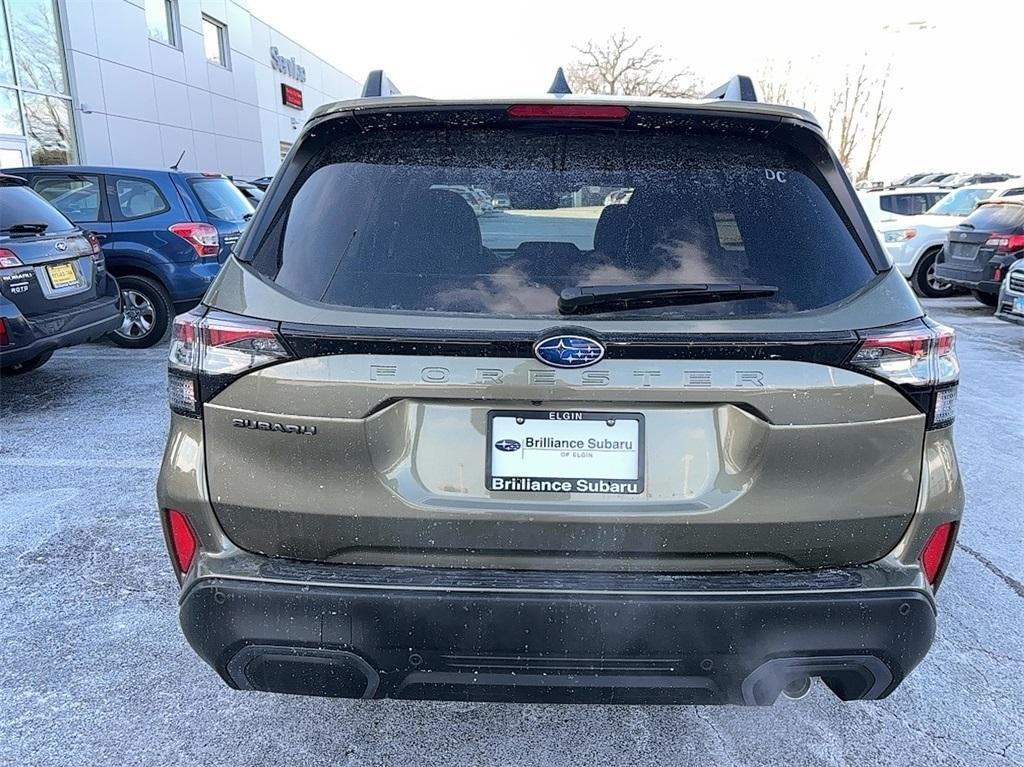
(624, 64)
(856, 112)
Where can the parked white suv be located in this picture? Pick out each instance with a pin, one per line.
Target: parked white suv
(884, 205)
(914, 242)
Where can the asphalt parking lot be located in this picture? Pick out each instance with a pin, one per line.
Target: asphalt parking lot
(94, 671)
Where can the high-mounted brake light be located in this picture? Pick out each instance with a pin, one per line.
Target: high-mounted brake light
(937, 551)
(603, 112)
(184, 542)
(1006, 243)
(8, 260)
(921, 361)
(204, 238)
(207, 351)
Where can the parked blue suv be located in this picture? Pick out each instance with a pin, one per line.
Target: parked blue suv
(164, 234)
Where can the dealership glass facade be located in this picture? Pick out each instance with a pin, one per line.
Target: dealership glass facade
(35, 100)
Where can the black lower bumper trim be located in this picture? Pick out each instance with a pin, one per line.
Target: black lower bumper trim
(572, 646)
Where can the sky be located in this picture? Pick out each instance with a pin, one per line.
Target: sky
(955, 70)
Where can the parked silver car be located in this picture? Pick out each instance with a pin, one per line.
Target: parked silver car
(1011, 295)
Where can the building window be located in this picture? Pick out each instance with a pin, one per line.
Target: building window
(6, 62)
(38, 54)
(215, 42)
(51, 138)
(10, 112)
(162, 21)
(35, 100)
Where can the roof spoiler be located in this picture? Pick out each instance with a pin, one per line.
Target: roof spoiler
(377, 85)
(739, 88)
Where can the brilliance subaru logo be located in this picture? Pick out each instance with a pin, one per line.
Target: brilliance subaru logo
(507, 445)
(568, 351)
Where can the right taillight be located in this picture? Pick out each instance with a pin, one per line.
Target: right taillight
(204, 238)
(208, 350)
(936, 552)
(184, 542)
(921, 361)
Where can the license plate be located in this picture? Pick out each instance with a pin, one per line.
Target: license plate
(565, 451)
(1018, 306)
(62, 275)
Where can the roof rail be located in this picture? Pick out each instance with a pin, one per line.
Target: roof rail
(739, 88)
(377, 84)
(560, 86)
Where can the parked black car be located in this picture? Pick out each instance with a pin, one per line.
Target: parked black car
(981, 249)
(54, 287)
(254, 194)
(262, 182)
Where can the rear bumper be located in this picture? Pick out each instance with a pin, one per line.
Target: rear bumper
(983, 279)
(32, 336)
(377, 632)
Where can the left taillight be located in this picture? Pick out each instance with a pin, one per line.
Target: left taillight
(1006, 243)
(203, 238)
(183, 539)
(208, 350)
(921, 361)
(4, 338)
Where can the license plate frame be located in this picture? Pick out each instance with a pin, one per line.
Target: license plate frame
(63, 275)
(563, 420)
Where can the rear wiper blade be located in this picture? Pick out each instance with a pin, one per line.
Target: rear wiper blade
(587, 299)
(25, 229)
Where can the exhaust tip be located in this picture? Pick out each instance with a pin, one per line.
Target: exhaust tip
(797, 688)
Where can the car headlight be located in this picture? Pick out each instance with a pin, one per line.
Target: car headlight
(900, 235)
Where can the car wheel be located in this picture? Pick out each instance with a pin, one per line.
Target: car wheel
(27, 366)
(989, 299)
(147, 312)
(924, 281)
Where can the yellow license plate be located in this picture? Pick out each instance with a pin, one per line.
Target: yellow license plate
(62, 275)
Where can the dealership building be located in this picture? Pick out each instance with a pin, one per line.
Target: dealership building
(141, 83)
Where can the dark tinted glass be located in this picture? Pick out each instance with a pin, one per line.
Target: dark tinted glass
(405, 222)
(221, 199)
(997, 218)
(20, 205)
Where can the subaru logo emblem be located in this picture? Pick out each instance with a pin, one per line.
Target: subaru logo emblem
(963, 236)
(507, 445)
(568, 351)
(60, 245)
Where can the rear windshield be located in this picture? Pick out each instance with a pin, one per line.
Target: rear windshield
(406, 222)
(221, 199)
(997, 218)
(19, 205)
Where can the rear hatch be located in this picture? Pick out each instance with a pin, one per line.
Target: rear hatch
(436, 398)
(46, 263)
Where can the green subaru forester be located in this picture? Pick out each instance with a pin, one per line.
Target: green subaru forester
(666, 426)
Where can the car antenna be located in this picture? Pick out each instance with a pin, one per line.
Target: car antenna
(560, 86)
(178, 161)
